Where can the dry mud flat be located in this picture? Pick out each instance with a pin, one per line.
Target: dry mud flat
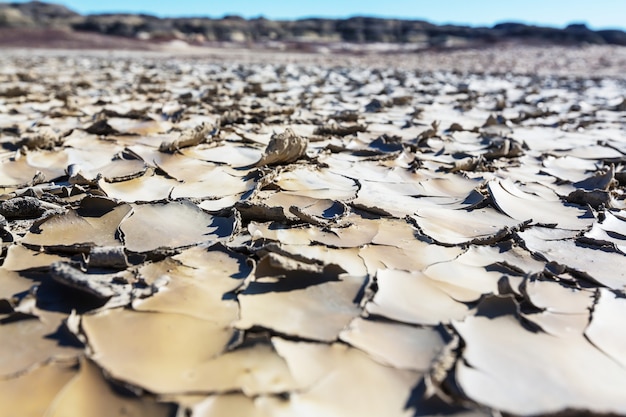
(199, 237)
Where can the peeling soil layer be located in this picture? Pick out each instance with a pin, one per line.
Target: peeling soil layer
(250, 233)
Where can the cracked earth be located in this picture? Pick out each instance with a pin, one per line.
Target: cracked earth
(199, 237)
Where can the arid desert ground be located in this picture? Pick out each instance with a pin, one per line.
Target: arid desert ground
(237, 232)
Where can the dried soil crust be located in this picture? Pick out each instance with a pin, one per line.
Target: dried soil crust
(298, 234)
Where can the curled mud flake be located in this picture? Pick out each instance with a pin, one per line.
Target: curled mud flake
(559, 325)
(283, 148)
(593, 152)
(412, 297)
(75, 230)
(274, 265)
(148, 187)
(31, 341)
(47, 380)
(173, 225)
(601, 181)
(353, 232)
(220, 205)
(404, 194)
(504, 367)
(606, 330)
(90, 393)
(477, 279)
(187, 138)
(113, 289)
(348, 259)
(316, 183)
(304, 307)
(12, 289)
(135, 347)
(255, 370)
(393, 344)
(234, 155)
(18, 173)
(120, 169)
(564, 309)
(597, 264)
(184, 168)
(464, 226)
(102, 286)
(260, 212)
(611, 230)
(274, 205)
(78, 177)
(522, 205)
(406, 256)
(201, 284)
(214, 183)
(324, 370)
(308, 218)
(567, 168)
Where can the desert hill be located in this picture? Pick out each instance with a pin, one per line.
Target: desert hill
(360, 30)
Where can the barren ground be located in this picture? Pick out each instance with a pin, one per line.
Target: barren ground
(230, 231)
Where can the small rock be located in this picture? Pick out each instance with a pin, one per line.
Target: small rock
(283, 148)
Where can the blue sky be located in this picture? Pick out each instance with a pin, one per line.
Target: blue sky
(598, 14)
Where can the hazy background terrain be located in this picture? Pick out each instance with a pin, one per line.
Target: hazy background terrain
(600, 14)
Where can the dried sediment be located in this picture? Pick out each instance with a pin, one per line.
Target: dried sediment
(259, 242)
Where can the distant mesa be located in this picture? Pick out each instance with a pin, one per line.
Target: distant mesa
(41, 16)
